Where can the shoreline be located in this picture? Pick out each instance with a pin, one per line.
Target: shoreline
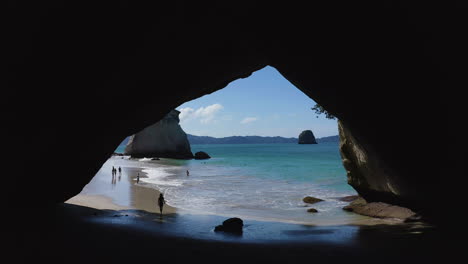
(126, 195)
(102, 202)
(142, 197)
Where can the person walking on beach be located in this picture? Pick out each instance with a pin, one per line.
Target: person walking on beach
(188, 173)
(138, 177)
(161, 202)
(113, 175)
(120, 170)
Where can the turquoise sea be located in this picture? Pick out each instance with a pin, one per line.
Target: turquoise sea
(256, 181)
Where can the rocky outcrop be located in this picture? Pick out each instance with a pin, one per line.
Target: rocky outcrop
(201, 155)
(163, 139)
(307, 137)
(379, 209)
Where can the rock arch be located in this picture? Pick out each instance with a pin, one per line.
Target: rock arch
(76, 87)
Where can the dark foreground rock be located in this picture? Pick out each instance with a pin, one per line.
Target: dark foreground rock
(311, 200)
(232, 225)
(201, 155)
(379, 209)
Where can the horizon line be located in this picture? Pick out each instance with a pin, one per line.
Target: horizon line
(256, 136)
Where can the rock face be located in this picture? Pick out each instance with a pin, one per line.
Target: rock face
(163, 139)
(378, 72)
(307, 137)
(367, 174)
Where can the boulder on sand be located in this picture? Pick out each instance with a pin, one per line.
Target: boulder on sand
(379, 209)
(232, 225)
(311, 200)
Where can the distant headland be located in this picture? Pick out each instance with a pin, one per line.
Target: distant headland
(251, 140)
(194, 140)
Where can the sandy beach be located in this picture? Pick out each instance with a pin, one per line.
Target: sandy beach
(146, 201)
(121, 192)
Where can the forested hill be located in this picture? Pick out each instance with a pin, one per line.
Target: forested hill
(328, 139)
(246, 140)
(250, 140)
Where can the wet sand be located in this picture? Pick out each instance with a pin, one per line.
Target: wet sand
(120, 192)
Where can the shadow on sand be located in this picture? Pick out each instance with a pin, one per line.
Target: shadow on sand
(77, 234)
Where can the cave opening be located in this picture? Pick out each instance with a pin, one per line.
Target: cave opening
(257, 169)
(153, 58)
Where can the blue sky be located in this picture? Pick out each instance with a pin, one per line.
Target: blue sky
(264, 104)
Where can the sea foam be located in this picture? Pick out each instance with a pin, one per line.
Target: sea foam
(160, 177)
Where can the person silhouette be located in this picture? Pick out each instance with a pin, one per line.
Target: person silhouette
(120, 170)
(161, 202)
(188, 173)
(138, 177)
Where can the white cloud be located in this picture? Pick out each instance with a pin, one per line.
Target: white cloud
(248, 120)
(185, 113)
(204, 114)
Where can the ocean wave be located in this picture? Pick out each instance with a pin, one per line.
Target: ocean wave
(161, 177)
(251, 187)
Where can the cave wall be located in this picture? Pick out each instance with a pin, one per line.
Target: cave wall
(370, 176)
(80, 78)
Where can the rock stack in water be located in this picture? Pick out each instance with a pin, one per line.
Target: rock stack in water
(307, 137)
(164, 139)
(201, 155)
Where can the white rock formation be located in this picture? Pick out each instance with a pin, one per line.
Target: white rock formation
(164, 139)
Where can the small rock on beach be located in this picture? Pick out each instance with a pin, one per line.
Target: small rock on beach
(232, 225)
(311, 200)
